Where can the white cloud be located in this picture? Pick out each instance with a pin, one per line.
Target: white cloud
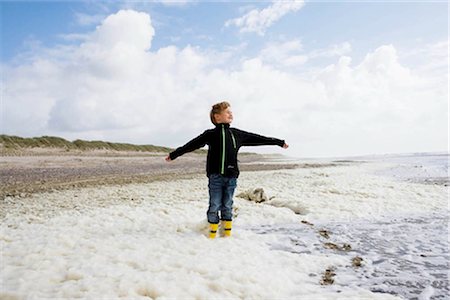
(74, 37)
(287, 54)
(431, 59)
(333, 50)
(147, 5)
(87, 19)
(113, 86)
(259, 20)
(176, 2)
(291, 53)
(127, 29)
(386, 106)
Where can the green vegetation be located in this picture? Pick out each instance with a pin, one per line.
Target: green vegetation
(15, 142)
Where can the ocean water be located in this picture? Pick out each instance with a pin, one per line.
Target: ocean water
(406, 255)
(432, 168)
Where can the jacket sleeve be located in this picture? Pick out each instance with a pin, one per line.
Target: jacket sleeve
(252, 139)
(190, 146)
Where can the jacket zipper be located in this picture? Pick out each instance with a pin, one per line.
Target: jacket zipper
(234, 141)
(223, 150)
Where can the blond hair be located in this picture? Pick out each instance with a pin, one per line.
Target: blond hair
(217, 109)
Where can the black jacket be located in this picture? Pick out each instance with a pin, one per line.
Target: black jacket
(223, 146)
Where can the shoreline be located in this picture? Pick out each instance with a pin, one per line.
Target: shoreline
(44, 170)
(38, 170)
(48, 170)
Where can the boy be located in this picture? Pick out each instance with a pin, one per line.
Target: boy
(222, 164)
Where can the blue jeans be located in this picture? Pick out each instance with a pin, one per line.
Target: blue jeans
(221, 190)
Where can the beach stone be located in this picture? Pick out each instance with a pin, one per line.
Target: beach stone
(256, 195)
(344, 247)
(328, 276)
(331, 246)
(324, 233)
(357, 261)
(307, 223)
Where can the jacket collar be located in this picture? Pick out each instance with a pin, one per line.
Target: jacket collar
(224, 124)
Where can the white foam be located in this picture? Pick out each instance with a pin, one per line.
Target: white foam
(158, 247)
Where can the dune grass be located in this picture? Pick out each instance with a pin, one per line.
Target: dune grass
(16, 143)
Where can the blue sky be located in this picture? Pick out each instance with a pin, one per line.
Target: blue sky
(333, 78)
(365, 24)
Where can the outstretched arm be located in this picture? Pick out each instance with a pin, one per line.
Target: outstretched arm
(192, 145)
(253, 139)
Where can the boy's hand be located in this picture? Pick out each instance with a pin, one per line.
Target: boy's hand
(168, 158)
(285, 146)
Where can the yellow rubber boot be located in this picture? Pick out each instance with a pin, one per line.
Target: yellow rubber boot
(213, 230)
(227, 228)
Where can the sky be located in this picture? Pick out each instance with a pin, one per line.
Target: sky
(332, 78)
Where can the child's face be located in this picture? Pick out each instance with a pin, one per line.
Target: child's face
(226, 116)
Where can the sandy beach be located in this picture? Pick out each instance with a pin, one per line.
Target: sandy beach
(40, 170)
(330, 229)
